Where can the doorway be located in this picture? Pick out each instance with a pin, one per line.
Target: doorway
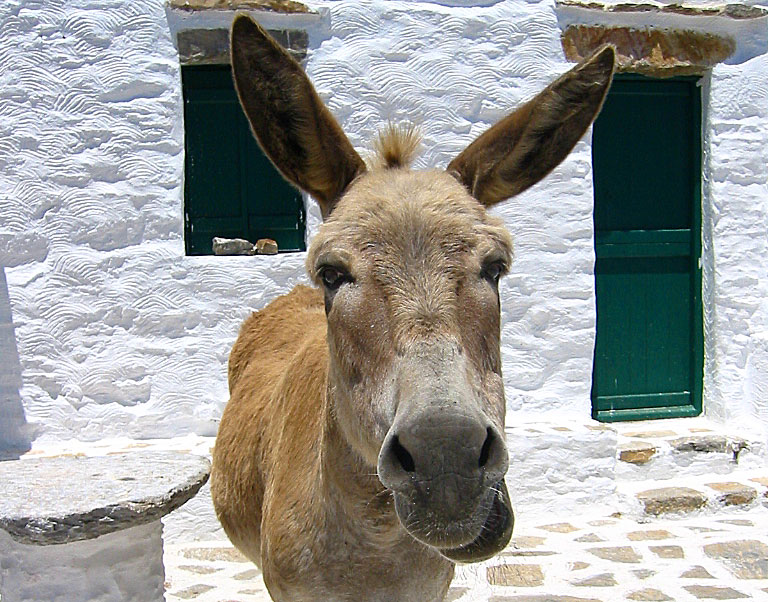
(646, 157)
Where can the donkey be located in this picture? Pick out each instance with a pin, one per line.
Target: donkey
(362, 453)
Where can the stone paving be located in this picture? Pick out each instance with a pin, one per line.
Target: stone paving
(722, 556)
(694, 527)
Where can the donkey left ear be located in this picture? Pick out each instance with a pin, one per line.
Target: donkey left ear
(290, 122)
(526, 145)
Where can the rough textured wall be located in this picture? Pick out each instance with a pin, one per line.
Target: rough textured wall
(736, 382)
(116, 333)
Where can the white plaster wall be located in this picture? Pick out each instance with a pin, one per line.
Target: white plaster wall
(738, 193)
(117, 333)
(124, 566)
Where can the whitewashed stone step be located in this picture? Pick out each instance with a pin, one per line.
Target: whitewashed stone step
(695, 495)
(673, 450)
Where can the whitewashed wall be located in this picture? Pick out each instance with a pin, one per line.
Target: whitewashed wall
(111, 331)
(736, 382)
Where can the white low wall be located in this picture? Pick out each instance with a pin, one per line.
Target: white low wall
(125, 566)
(113, 332)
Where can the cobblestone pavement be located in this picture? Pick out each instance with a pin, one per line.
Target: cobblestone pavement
(566, 559)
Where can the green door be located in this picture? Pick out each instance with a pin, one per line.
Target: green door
(647, 171)
(230, 187)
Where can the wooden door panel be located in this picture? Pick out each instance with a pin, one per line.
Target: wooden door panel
(646, 162)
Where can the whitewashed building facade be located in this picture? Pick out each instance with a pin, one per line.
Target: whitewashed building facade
(108, 329)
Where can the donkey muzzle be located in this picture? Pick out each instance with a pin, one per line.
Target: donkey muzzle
(446, 470)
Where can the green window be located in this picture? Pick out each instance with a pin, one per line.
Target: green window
(231, 189)
(647, 179)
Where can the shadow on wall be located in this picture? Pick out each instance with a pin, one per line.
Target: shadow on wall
(14, 431)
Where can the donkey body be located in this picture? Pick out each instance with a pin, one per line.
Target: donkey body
(361, 454)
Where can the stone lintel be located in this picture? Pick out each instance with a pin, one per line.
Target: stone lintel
(211, 46)
(654, 52)
(730, 11)
(275, 6)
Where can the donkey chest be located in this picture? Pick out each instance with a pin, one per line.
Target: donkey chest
(340, 568)
(326, 549)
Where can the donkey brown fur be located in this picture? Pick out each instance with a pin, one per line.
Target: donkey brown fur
(362, 454)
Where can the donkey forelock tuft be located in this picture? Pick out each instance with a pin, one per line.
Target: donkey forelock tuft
(396, 146)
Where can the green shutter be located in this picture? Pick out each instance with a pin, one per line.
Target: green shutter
(647, 172)
(230, 188)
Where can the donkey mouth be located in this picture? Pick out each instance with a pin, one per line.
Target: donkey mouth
(494, 534)
(486, 533)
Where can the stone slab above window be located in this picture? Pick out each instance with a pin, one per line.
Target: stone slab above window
(663, 40)
(732, 11)
(201, 27)
(278, 6)
(651, 52)
(211, 46)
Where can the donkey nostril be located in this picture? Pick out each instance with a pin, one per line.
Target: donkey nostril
(485, 452)
(402, 455)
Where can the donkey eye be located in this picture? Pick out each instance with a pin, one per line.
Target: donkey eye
(494, 271)
(333, 278)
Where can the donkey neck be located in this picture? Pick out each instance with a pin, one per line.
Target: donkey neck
(350, 484)
(362, 523)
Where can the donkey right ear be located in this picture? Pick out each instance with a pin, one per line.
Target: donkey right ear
(292, 125)
(526, 145)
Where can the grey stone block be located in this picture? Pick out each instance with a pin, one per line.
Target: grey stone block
(64, 499)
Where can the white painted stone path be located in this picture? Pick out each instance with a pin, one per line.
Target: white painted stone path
(557, 559)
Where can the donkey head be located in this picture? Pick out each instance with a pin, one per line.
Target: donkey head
(410, 262)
